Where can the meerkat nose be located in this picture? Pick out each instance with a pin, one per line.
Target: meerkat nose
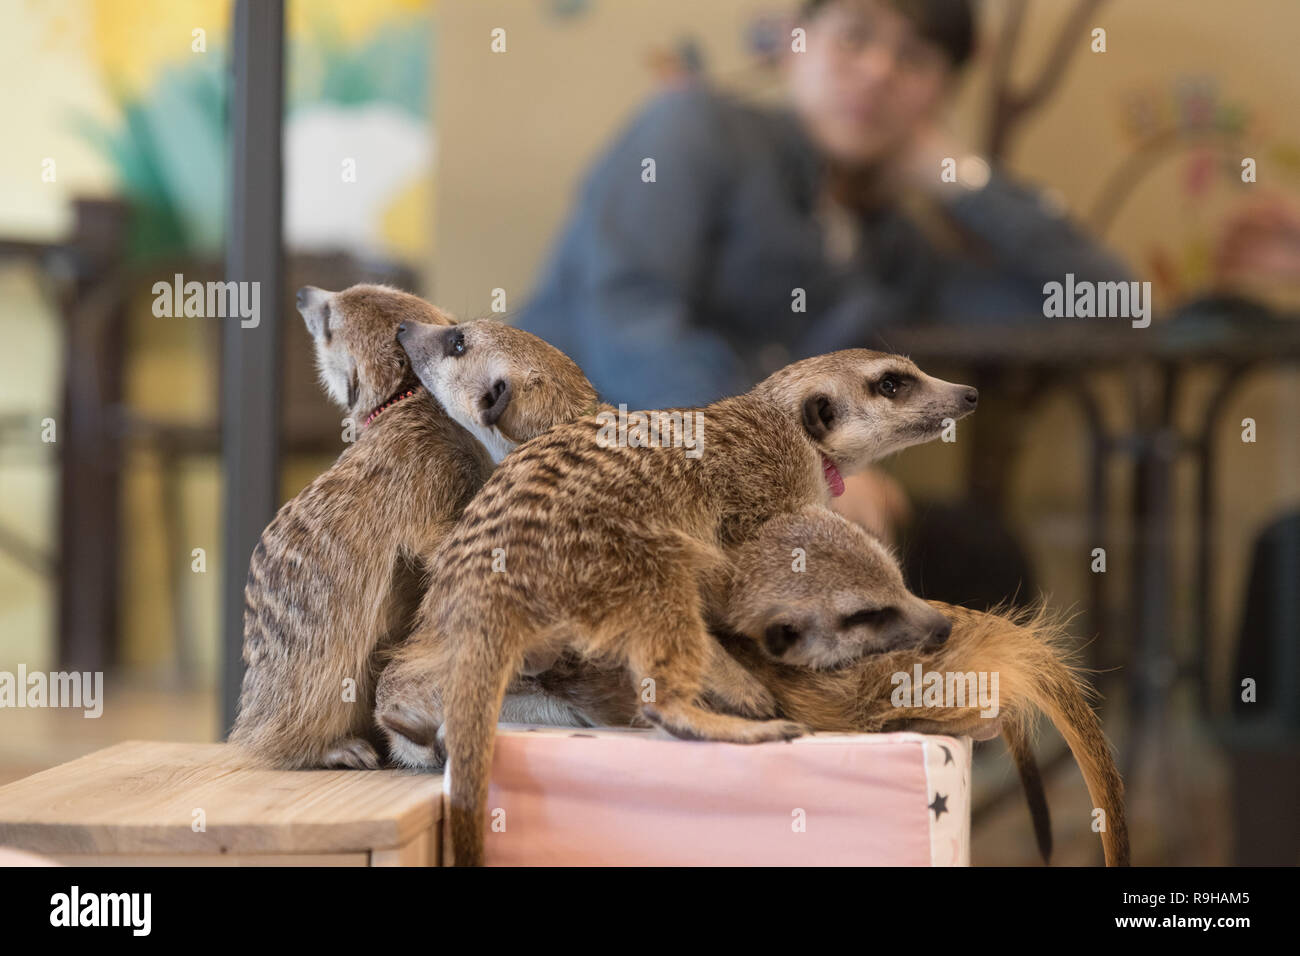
(940, 634)
(972, 397)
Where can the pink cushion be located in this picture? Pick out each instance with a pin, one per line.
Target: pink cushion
(629, 797)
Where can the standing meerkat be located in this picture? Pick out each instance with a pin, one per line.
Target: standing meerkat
(522, 387)
(593, 537)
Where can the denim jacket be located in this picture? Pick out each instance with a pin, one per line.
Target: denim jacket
(681, 290)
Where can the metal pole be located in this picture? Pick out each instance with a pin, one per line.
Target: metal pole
(250, 375)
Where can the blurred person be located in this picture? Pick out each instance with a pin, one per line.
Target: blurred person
(681, 290)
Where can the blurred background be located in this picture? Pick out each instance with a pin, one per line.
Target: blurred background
(116, 174)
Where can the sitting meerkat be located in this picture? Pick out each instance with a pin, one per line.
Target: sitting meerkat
(593, 538)
(338, 574)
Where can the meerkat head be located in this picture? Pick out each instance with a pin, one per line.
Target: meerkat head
(355, 333)
(815, 590)
(858, 406)
(503, 384)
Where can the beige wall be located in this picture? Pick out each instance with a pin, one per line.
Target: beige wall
(516, 129)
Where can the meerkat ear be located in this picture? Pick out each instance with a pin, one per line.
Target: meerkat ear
(495, 401)
(818, 416)
(354, 388)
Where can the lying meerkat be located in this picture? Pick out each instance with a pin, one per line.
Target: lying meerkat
(1025, 652)
(338, 573)
(586, 542)
(1033, 675)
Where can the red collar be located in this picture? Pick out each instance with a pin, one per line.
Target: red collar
(390, 403)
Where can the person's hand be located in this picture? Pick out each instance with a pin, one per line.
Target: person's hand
(876, 501)
(1260, 241)
(914, 168)
(918, 165)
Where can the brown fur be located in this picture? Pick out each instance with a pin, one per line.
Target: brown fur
(338, 574)
(604, 545)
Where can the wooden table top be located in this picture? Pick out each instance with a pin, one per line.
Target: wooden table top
(140, 797)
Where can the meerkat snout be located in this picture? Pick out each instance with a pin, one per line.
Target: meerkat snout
(927, 628)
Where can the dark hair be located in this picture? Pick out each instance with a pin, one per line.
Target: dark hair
(948, 24)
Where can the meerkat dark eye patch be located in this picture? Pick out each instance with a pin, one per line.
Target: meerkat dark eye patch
(453, 344)
(494, 401)
(818, 416)
(892, 384)
(873, 617)
(779, 638)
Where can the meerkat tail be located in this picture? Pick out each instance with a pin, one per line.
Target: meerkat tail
(1033, 668)
(1031, 780)
(1058, 694)
(485, 663)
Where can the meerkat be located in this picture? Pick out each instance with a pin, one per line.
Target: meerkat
(1034, 675)
(1025, 651)
(523, 387)
(593, 538)
(338, 573)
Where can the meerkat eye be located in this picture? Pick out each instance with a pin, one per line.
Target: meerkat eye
(779, 638)
(455, 344)
(891, 384)
(871, 617)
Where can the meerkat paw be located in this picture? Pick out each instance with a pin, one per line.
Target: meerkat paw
(415, 737)
(751, 702)
(730, 688)
(688, 722)
(351, 753)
